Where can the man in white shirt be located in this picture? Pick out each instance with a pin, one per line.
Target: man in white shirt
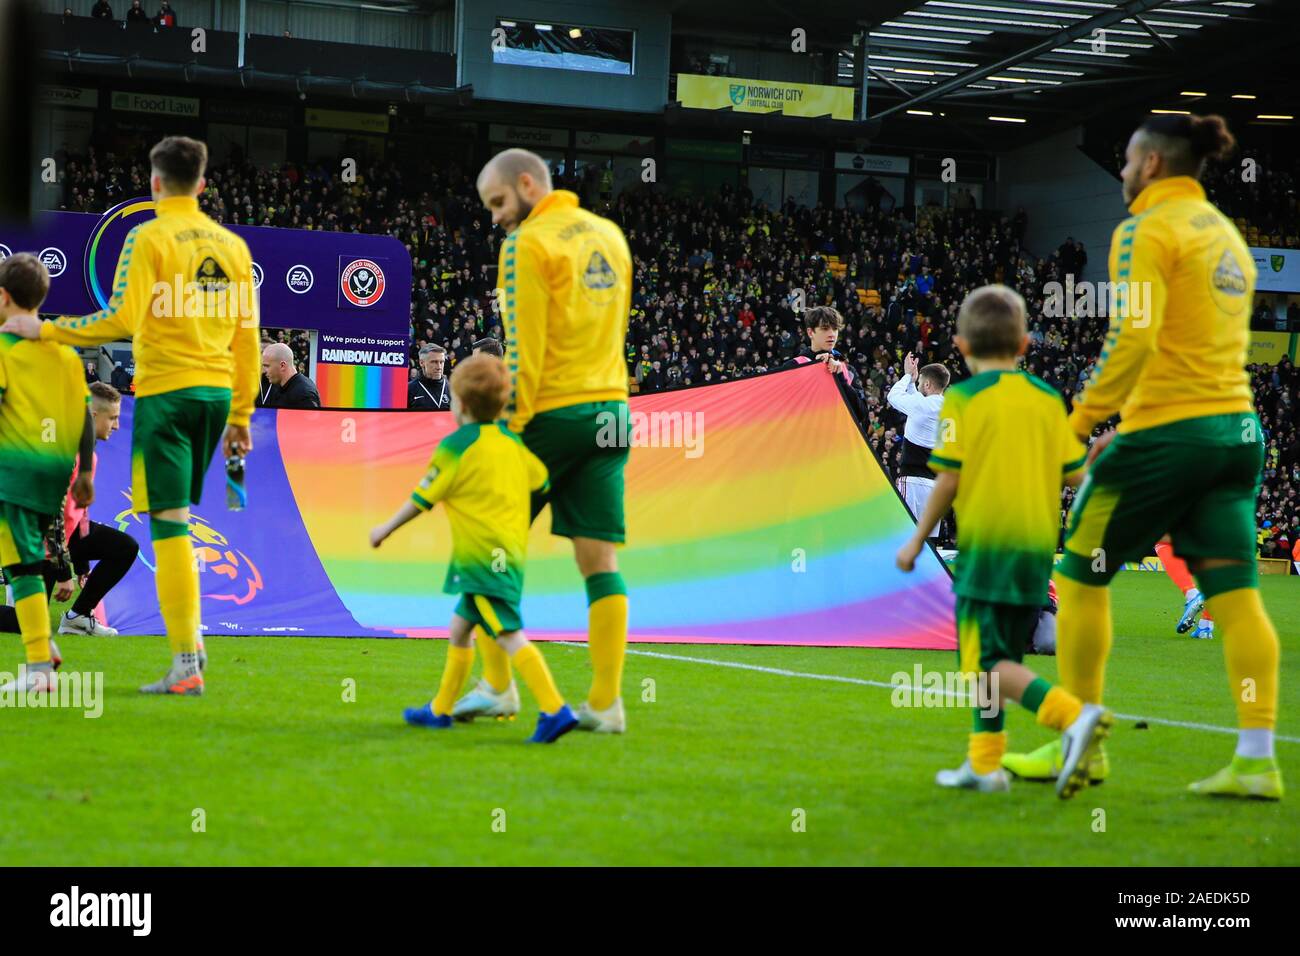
(919, 396)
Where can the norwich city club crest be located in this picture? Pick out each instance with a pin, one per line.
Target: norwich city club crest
(598, 275)
(737, 93)
(210, 277)
(1228, 284)
(1228, 276)
(1277, 262)
(600, 283)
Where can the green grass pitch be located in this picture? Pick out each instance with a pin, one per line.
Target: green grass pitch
(714, 771)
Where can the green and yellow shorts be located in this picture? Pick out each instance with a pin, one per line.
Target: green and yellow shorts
(1196, 480)
(585, 449)
(988, 632)
(22, 535)
(173, 437)
(496, 615)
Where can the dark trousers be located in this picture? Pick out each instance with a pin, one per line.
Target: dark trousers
(112, 551)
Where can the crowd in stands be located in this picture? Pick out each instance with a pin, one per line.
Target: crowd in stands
(132, 13)
(1266, 206)
(1277, 393)
(718, 284)
(1257, 189)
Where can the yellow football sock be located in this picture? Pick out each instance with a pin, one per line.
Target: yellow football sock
(34, 622)
(454, 672)
(607, 643)
(1059, 709)
(178, 591)
(986, 750)
(532, 668)
(1083, 637)
(1250, 649)
(496, 662)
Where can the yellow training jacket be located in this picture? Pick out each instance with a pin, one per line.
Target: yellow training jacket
(1184, 283)
(183, 293)
(565, 289)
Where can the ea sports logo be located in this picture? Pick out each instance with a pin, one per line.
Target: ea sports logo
(55, 261)
(362, 282)
(299, 279)
(258, 276)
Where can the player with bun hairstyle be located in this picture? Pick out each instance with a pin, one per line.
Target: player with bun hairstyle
(485, 478)
(1187, 456)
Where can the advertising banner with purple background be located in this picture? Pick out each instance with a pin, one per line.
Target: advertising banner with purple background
(247, 559)
(340, 282)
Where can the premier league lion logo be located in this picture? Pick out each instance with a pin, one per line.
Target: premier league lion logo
(225, 573)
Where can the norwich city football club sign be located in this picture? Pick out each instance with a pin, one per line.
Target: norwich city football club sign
(1277, 270)
(761, 96)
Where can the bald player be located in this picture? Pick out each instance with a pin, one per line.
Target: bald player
(565, 290)
(289, 387)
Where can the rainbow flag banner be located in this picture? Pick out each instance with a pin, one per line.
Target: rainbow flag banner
(361, 386)
(755, 514)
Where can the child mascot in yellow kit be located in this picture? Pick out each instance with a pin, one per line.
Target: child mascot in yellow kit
(1005, 448)
(484, 476)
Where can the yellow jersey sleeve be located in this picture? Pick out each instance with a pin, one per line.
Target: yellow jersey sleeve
(949, 452)
(247, 350)
(438, 478)
(133, 292)
(524, 312)
(76, 375)
(1073, 453)
(538, 477)
(1141, 258)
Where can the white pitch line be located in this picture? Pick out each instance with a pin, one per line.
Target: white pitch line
(863, 682)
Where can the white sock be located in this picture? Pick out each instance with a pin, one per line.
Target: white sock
(1187, 595)
(186, 661)
(1255, 742)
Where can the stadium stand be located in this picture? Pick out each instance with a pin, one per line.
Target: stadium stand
(717, 281)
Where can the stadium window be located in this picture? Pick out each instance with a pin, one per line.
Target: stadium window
(564, 46)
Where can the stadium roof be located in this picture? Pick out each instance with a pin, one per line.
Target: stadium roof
(1042, 62)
